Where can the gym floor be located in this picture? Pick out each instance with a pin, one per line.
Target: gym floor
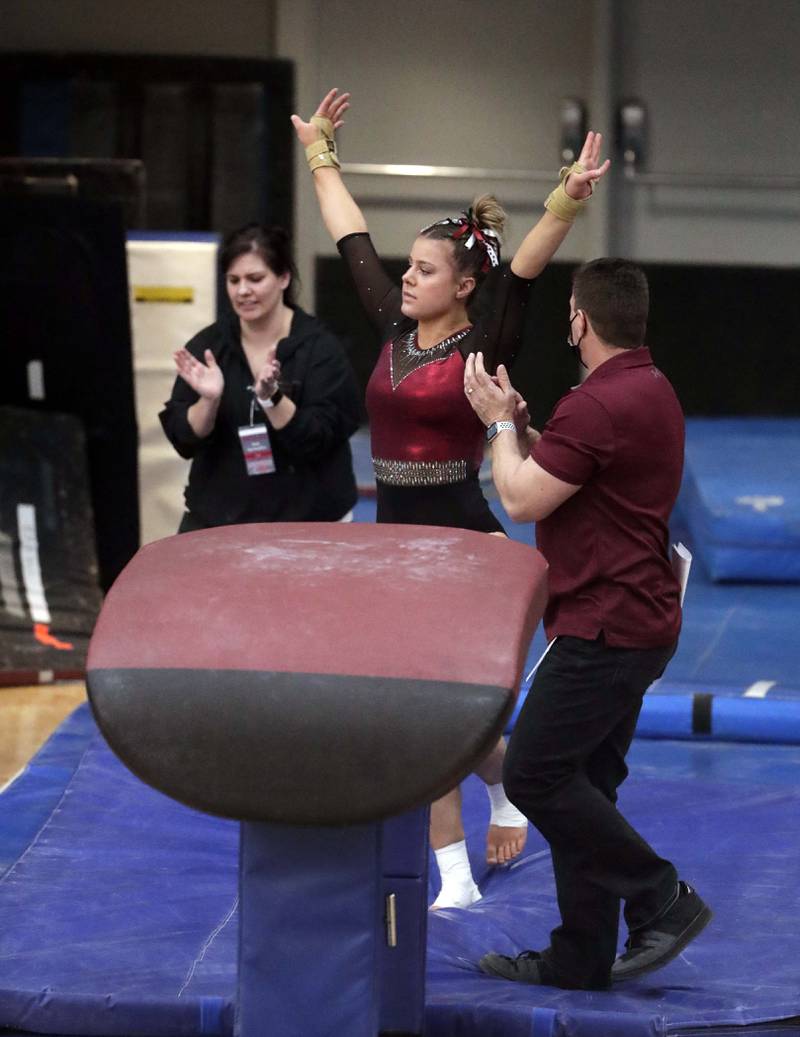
(28, 716)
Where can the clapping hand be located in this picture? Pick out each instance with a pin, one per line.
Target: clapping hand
(267, 378)
(206, 379)
(522, 417)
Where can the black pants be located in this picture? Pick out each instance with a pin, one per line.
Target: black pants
(565, 762)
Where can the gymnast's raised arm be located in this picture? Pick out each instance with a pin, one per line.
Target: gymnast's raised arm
(344, 220)
(562, 206)
(340, 213)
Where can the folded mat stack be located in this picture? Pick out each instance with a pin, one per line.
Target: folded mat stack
(741, 497)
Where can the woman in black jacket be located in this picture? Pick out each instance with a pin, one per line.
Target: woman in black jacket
(265, 400)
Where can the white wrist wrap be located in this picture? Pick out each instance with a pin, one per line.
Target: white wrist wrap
(504, 813)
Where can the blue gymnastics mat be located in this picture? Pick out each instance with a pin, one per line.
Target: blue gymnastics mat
(736, 674)
(740, 497)
(739, 642)
(735, 635)
(119, 905)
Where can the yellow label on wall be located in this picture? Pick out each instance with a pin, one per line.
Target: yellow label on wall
(162, 293)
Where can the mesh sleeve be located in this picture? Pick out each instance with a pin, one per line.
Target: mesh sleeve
(379, 295)
(499, 318)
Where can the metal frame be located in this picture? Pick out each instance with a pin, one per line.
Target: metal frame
(744, 181)
(447, 172)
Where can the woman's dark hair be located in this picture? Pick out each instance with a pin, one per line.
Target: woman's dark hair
(270, 243)
(615, 297)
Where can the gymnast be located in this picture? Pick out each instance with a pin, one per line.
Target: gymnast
(427, 444)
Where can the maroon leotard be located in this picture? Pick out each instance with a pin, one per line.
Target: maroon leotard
(425, 436)
(420, 413)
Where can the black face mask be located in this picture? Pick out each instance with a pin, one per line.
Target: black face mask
(576, 346)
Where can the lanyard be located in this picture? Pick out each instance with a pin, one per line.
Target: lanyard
(252, 389)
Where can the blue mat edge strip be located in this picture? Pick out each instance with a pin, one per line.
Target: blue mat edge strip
(30, 798)
(719, 715)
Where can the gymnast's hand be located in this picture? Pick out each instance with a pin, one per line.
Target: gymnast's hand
(580, 185)
(332, 106)
(206, 379)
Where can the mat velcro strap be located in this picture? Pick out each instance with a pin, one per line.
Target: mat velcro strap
(702, 705)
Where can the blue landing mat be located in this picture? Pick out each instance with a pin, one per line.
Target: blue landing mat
(741, 496)
(734, 635)
(727, 815)
(119, 913)
(118, 909)
(739, 641)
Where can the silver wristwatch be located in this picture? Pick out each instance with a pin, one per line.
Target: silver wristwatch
(499, 426)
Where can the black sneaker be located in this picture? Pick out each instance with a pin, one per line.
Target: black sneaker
(525, 968)
(531, 967)
(654, 945)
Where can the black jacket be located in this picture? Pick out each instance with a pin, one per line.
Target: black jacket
(314, 478)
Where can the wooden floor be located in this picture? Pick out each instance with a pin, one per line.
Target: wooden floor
(28, 716)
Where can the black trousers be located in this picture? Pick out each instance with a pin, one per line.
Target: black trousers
(564, 764)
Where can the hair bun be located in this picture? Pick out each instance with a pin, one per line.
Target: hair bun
(489, 214)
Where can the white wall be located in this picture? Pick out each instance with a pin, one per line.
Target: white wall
(478, 82)
(721, 82)
(457, 83)
(473, 83)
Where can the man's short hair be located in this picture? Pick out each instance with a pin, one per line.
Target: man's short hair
(613, 293)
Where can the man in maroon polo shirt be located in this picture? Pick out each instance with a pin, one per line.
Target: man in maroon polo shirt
(600, 482)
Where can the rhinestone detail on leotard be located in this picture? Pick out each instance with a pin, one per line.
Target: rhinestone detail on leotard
(419, 473)
(406, 356)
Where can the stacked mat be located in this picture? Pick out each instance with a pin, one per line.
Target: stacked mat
(49, 590)
(736, 673)
(740, 497)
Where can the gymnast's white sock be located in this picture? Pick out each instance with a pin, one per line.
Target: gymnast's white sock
(458, 885)
(504, 813)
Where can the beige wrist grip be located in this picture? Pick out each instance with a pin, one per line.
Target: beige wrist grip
(322, 152)
(559, 203)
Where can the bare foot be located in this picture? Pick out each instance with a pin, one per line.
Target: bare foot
(504, 844)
